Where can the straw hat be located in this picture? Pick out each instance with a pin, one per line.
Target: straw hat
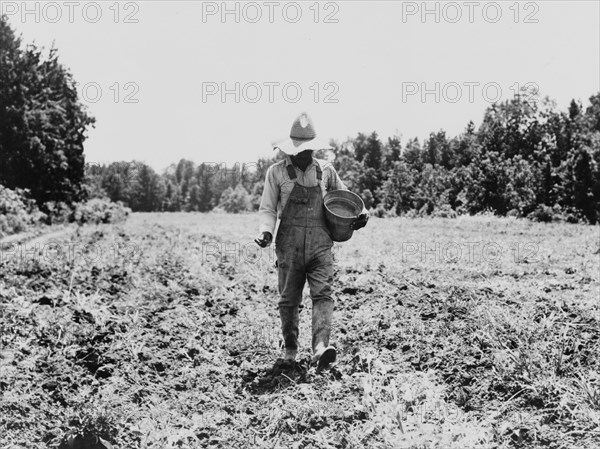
(302, 137)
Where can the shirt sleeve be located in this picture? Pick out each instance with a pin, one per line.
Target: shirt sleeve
(334, 181)
(268, 204)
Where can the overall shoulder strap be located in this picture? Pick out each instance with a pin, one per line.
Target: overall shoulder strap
(291, 172)
(319, 171)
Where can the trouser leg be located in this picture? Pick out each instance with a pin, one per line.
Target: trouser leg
(289, 326)
(291, 283)
(320, 280)
(322, 315)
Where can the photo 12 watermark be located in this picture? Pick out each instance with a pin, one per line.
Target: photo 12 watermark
(270, 12)
(470, 12)
(236, 252)
(247, 252)
(69, 252)
(253, 334)
(71, 12)
(269, 92)
(469, 252)
(468, 92)
(233, 173)
(242, 172)
(92, 92)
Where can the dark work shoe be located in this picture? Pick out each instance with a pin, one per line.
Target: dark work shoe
(324, 357)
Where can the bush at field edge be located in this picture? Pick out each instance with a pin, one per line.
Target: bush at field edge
(19, 213)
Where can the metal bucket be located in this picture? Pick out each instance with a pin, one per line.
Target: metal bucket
(341, 209)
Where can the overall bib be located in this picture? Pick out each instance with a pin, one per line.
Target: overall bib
(303, 249)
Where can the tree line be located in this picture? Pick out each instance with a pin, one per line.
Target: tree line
(526, 158)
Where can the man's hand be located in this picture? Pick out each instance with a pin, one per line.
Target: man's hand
(264, 239)
(361, 221)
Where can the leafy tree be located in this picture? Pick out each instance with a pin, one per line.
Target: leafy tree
(392, 152)
(256, 195)
(520, 191)
(347, 166)
(146, 190)
(464, 149)
(172, 198)
(592, 113)
(193, 201)
(437, 150)
(42, 123)
(117, 179)
(582, 184)
(511, 128)
(433, 188)
(373, 152)
(235, 200)
(399, 188)
(412, 154)
(360, 146)
(184, 171)
(525, 159)
(489, 179)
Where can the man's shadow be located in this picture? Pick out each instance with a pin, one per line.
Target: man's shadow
(278, 377)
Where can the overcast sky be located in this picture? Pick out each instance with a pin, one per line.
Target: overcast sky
(352, 65)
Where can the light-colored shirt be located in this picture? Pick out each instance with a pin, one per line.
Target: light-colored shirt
(278, 187)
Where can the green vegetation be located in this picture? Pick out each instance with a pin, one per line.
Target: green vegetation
(42, 123)
(42, 131)
(525, 160)
(162, 332)
(17, 211)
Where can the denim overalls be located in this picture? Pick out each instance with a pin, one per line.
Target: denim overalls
(303, 248)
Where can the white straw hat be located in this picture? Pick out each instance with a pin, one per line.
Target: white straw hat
(302, 137)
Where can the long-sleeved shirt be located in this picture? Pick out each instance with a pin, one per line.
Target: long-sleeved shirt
(278, 187)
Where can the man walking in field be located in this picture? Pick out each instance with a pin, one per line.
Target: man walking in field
(294, 190)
